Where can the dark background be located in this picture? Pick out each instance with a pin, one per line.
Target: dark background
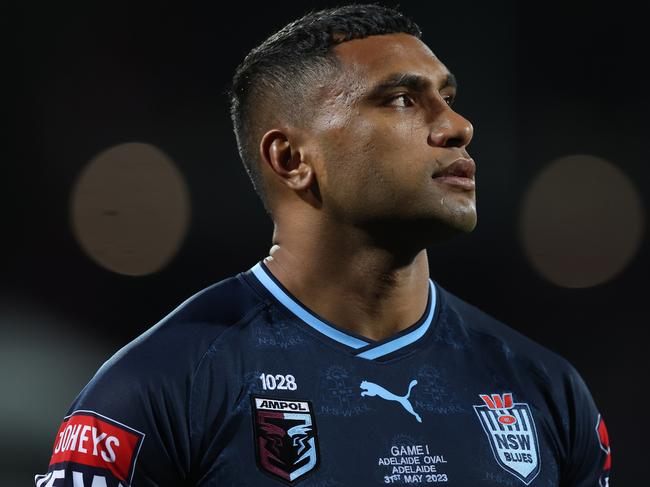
(537, 84)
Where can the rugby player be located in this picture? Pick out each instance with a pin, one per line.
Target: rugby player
(338, 360)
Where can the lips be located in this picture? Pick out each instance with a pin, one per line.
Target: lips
(464, 168)
(459, 174)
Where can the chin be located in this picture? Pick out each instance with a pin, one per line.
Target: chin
(449, 228)
(462, 219)
(467, 225)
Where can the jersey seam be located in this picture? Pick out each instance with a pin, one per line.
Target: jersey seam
(244, 319)
(500, 341)
(261, 295)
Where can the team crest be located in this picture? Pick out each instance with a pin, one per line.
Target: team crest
(510, 429)
(286, 441)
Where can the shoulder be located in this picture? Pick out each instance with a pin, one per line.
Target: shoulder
(141, 396)
(169, 352)
(491, 337)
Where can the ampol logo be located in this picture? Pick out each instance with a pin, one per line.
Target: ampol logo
(286, 440)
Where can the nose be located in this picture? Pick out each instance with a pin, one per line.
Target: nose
(451, 130)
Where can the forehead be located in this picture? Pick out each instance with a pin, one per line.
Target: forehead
(368, 60)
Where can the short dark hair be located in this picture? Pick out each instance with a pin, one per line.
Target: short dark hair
(273, 81)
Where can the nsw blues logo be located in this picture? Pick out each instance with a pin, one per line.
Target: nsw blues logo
(286, 443)
(510, 429)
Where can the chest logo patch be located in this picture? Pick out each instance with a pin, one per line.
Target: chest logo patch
(285, 436)
(372, 389)
(511, 432)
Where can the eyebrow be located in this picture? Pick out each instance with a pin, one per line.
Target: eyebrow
(413, 81)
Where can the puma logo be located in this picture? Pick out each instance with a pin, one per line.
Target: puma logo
(372, 389)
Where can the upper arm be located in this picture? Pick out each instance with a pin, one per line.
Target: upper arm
(126, 426)
(588, 461)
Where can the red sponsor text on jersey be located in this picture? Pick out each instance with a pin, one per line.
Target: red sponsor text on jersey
(90, 439)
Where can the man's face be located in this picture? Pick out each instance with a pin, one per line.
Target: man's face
(375, 151)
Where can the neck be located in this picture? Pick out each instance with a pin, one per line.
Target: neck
(347, 278)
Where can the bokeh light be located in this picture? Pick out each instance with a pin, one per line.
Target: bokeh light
(581, 221)
(130, 209)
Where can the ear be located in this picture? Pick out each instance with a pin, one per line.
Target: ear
(285, 161)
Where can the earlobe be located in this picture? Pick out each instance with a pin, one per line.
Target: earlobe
(298, 176)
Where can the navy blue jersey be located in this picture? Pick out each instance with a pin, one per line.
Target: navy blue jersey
(242, 385)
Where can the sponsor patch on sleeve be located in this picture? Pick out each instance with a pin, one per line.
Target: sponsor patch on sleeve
(89, 439)
(603, 439)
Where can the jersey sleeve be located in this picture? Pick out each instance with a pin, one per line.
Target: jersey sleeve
(589, 458)
(127, 427)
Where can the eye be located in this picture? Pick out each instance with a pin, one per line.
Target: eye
(407, 103)
(449, 99)
(407, 100)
